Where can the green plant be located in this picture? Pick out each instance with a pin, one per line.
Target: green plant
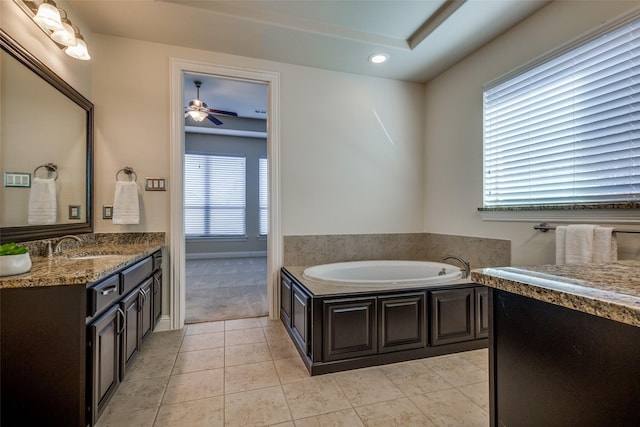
(12, 249)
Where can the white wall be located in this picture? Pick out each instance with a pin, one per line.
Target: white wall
(453, 127)
(340, 172)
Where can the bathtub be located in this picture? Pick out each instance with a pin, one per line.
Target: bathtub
(382, 273)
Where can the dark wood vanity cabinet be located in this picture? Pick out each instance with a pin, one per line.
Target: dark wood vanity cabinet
(402, 322)
(452, 316)
(482, 312)
(349, 328)
(300, 318)
(285, 299)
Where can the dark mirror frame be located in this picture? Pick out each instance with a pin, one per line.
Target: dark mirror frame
(36, 232)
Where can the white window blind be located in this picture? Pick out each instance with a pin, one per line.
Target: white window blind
(567, 131)
(264, 197)
(214, 195)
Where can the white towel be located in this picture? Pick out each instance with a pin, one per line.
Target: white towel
(561, 239)
(42, 201)
(605, 245)
(579, 244)
(125, 203)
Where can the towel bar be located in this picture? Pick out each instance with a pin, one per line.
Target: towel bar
(50, 167)
(545, 226)
(128, 170)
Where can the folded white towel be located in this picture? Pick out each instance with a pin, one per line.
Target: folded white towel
(561, 239)
(579, 244)
(605, 245)
(125, 203)
(42, 201)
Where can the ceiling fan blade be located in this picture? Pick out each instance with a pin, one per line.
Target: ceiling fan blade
(214, 120)
(222, 112)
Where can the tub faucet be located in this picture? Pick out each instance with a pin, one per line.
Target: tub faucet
(466, 270)
(56, 248)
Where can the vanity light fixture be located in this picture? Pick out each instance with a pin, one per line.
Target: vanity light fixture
(56, 24)
(378, 58)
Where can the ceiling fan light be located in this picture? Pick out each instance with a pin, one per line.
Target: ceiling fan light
(79, 50)
(378, 58)
(197, 115)
(66, 36)
(48, 16)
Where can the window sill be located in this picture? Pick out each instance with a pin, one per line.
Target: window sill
(216, 238)
(623, 213)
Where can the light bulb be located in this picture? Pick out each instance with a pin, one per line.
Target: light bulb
(49, 17)
(79, 50)
(66, 36)
(197, 115)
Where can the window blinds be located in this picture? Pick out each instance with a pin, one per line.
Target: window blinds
(567, 131)
(264, 197)
(214, 195)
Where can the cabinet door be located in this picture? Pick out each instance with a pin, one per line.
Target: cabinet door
(349, 327)
(285, 299)
(157, 297)
(482, 312)
(145, 294)
(130, 306)
(452, 317)
(300, 318)
(401, 322)
(105, 335)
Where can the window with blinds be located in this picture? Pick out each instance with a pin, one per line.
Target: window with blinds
(214, 195)
(566, 131)
(263, 203)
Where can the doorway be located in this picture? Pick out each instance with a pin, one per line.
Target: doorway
(177, 242)
(226, 198)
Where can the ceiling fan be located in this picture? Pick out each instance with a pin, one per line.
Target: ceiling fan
(199, 111)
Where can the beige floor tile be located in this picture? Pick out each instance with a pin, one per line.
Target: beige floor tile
(244, 336)
(164, 342)
(246, 353)
(256, 407)
(196, 413)
(249, 377)
(400, 413)
(457, 370)
(276, 332)
(479, 393)
(414, 378)
(285, 424)
(205, 328)
(151, 365)
(194, 385)
(199, 360)
(450, 408)
(479, 358)
(138, 394)
(118, 418)
(315, 396)
(202, 341)
(291, 370)
(346, 418)
(366, 386)
(232, 325)
(266, 322)
(282, 349)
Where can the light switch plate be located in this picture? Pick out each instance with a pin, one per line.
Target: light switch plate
(155, 184)
(17, 179)
(107, 211)
(74, 211)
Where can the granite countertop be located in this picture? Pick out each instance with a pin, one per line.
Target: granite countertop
(64, 269)
(321, 288)
(610, 290)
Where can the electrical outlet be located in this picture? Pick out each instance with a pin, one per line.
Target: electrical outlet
(74, 211)
(107, 211)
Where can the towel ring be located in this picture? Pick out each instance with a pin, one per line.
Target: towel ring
(128, 170)
(50, 167)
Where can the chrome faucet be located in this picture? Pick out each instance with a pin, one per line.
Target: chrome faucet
(56, 248)
(466, 270)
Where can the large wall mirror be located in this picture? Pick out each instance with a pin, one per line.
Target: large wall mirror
(46, 142)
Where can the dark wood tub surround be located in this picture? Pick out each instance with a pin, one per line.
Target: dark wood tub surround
(563, 344)
(337, 327)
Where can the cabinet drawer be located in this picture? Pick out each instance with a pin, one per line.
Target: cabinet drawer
(134, 275)
(102, 295)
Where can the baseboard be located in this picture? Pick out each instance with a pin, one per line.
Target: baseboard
(211, 255)
(164, 324)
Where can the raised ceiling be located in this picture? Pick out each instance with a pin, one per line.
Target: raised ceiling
(421, 37)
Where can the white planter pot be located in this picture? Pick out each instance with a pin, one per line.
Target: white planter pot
(14, 264)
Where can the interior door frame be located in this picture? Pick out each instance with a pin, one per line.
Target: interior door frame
(176, 244)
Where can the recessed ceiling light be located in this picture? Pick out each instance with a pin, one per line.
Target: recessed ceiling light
(378, 58)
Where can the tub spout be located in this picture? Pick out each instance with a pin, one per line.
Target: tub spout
(466, 268)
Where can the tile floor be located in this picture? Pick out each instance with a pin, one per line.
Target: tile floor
(225, 288)
(247, 373)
